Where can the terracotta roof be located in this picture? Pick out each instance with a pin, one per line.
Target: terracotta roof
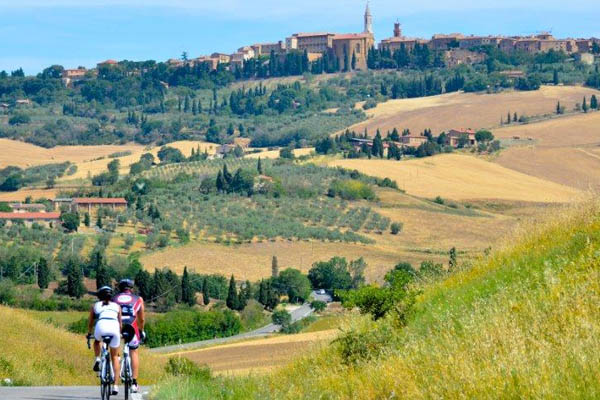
(463, 130)
(304, 34)
(99, 200)
(31, 215)
(109, 62)
(352, 36)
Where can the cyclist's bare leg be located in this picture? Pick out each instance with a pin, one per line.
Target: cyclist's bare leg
(135, 363)
(114, 354)
(97, 348)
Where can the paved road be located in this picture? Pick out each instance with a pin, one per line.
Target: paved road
(57, 393)
(298, 314)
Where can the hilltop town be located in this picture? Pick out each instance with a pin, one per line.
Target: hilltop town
(352, 51)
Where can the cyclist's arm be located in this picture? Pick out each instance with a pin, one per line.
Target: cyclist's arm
(120, 320)
(141, 317)
(91, 320)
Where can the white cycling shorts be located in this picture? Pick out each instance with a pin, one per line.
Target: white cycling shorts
(108, 327)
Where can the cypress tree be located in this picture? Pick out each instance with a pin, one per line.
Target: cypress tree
(259, 166)
(205, 294)
(353, 60)
(194, 107)
(144, 284)
(515, 119)
(43, 273)
(186, 104)
(558, 110)
(452, 263)
(75, 286)
(274, 267)
(594, 102)
(221, 186)
(232, 296)
(555, 78)
(187, 292)
(227, 175)
(262, 298)
(508, 118)
(86, 219)
(585, 106)
(102, 276)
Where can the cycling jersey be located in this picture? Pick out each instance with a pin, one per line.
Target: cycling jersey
(130, 306)
(107, 322)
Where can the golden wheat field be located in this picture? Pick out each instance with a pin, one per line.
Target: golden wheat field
(258, 355)
(563, 150)
(22, 154)
(273, 154)
(468, 110)
(462, 177)
(22, 194)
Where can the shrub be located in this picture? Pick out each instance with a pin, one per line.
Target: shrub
(396, 228)
(439, 200)
(7, 292)
(318, 305)
(363, 343)
(281, 317)
(351, 190)
(19, 119)
(179, 366)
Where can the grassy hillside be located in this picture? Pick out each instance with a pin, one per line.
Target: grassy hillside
(36, 353)
(522, 323)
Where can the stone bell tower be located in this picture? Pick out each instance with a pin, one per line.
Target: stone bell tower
(368, 20)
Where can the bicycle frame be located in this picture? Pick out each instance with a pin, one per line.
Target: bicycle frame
(106, 373)
(126, 371)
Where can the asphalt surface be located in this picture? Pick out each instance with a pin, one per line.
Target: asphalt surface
(300, 313)
(59, 393)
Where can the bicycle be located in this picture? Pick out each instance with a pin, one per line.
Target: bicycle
(126, 371)
(106, 373)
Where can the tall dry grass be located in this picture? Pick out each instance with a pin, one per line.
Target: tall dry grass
(523, 323)
(35, 353)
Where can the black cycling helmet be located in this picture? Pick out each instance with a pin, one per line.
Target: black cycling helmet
(104, 293)
(125, 284)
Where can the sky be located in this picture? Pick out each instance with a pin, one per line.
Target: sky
(35, 34)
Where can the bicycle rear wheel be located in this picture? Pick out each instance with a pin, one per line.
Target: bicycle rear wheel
(127, 388)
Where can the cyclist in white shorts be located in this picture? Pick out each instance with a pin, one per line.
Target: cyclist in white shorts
(106, 315)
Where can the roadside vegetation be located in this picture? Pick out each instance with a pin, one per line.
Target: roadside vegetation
(534, 301)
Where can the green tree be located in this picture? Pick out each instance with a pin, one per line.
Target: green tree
(43, 273)
(559, 109)
(143, 283)
(353, 60)
(259, 167)
(484, 136)
(584, 107)
(330, 275)
(594, 102)
(555, 78)
(187, 292)
(396, 228)
(205, 294)
(232, 295)
(515, 118)
(102, 276)
(75, 286)
(70, 221)
(377, 148)
(396, 297)
(99, 223)
(86, 219)
(282, 318)
(294, 284)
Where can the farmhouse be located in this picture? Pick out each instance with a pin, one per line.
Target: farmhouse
(93, 203)
(413, 140)
(455, 135)
(29, 218)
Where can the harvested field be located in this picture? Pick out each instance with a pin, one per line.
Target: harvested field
(273, 154)
(573, 130)
(258, 355)
(22, 194)
(24, 155)
(454, 110)
(566, 150)
(462, 177)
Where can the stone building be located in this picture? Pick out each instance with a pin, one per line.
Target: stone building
(353, 44)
